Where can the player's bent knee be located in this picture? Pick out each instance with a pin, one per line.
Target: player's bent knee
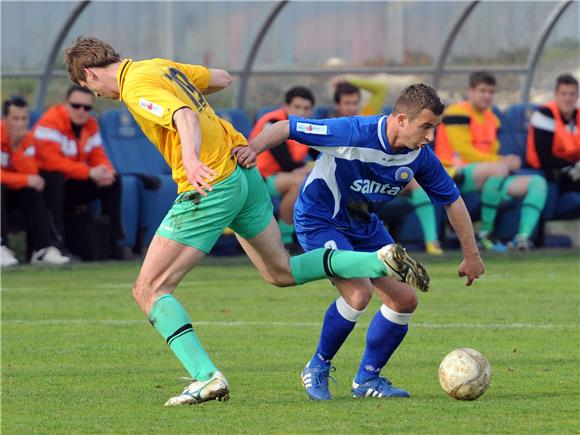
(280, 279)
(407, 301)
(359, 299)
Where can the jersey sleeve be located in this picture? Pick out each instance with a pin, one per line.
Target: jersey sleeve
(154, 103)
(199, 75)
(435, 180)
(320, 133)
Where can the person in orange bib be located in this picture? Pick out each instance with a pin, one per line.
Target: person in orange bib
(467, 144)
(74, 164)
(284, 167)
(554, 136)
(23, 187)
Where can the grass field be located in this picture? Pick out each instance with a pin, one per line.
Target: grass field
(78, 357)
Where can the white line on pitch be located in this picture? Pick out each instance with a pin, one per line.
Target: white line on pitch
(296, 324)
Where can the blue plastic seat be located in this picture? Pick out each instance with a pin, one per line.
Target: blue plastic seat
(265, 109)
(321, 112)
(133, 154)
(238, 118)
(516, 120)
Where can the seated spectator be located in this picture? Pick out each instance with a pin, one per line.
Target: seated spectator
(347, 102)
(467, 141)
(284, 167)
(74, 164)
(554, 137)
(347, 95)
(22, 187)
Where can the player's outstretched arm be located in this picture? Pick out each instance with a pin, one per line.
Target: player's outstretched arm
(266, 139)
(198, 173)
(220, 79)
(472, 265)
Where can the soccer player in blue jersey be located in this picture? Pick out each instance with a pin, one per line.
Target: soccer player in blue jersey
(367, 160)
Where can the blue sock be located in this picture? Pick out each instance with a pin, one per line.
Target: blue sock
(339, 321)
(386, 331)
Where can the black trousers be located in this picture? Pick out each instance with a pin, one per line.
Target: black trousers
(36, 217)
(63, 196)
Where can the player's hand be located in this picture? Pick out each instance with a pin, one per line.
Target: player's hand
(337, 80)
(36, 182)
(199, 175)
(304, 170)
(472, 268)
(245, 156)
(102, 175)
(513, 162)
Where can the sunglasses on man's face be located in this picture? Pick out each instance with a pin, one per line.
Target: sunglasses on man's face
(87, 107)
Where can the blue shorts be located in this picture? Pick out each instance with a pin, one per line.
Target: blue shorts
(327, 237)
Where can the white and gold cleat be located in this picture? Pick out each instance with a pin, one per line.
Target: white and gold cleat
(215, 388)
(403, 268)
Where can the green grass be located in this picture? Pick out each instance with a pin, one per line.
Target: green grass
(78, 357)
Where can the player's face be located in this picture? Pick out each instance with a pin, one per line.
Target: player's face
(79, 106)
(349, 105)
(95, 83)
(299, 107)
(17, 122)
(417, 133)
(566, 98)
(481, 96)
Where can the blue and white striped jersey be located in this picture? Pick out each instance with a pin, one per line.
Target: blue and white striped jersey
(358, 168)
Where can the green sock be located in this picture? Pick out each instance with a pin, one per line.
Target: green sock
(324, 263)
(171, 320)
(287, 231)
(426, 214)
(490, 199)
(533, 204)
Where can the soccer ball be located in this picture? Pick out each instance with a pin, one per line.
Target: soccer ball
(464, 374)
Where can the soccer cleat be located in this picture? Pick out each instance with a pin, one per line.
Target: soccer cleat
(486, 243)
(215, 388)
(521, 242)
(378, 387)
(433, 248)
(7, 257)
(403, 268)
(49, 256)
(315, 380)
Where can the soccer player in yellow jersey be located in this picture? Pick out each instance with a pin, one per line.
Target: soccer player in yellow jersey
(168, 101)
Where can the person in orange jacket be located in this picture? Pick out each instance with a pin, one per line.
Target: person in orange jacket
(554, 136)
(74, 164)
(23, 188)
(284, 167)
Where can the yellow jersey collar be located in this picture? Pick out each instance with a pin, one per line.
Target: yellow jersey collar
(121, 73)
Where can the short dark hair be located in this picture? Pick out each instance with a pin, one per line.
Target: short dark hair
(479, 77)
(566, 79)
(299, 92)
(414, 98)
(14, 100)
(344, 88)
(88, 53)
(78, 88)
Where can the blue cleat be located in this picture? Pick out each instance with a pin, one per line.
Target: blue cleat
(315, 380)
(378, 387)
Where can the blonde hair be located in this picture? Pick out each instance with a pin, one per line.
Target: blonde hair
(88, 52)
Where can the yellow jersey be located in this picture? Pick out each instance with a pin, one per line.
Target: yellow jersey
(154, 90)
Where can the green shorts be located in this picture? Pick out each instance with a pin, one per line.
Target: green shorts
(468, 184)
(240, 202)
(271, 185)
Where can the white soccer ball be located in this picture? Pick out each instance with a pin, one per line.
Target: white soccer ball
(464, 374)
